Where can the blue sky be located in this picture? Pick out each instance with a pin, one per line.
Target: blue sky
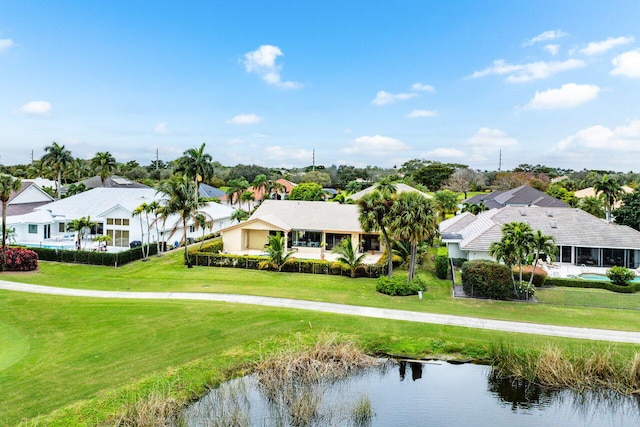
(551, 82)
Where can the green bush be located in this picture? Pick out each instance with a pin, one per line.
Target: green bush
(486, 279)
(215, 247)
(442, 263)
(592, 284)
(398, 286)
(620, 276)
(93, 258)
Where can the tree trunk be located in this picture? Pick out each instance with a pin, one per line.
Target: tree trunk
(535, 263)
(412, 262)
(4, 236)
(186, 249)
(59, 184)
(387, 242)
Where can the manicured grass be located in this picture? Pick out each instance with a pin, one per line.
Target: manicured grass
(588, 298)
(167, 274)
(81, 349)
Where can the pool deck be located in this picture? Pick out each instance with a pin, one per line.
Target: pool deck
(568, 270)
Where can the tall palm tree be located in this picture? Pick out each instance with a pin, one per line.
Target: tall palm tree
(474, 208)
(375, 208)
(260, 183)
(58, 159)
(155, 208)
(80, 226)
(348, 256)
(179, 191)
(445, 201)
(521, 235)
(196, 164)
(104, 164)
(8, 185)
(412, 219)
(504, 250)
(200, 221)
(541, 244)
(239, 215)
(386, 186)
(610, 191)
(247, 196)
(592, 205)
(145, 209)
(277, 252)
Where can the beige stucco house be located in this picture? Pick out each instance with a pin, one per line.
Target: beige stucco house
(310, 227)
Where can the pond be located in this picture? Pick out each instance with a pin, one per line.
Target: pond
(411, 394)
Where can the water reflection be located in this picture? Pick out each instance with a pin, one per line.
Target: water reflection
(442, 395)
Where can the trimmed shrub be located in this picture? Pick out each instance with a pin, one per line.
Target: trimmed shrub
(592, 284)
(93, 258)
(486, 279)
(398, 286)
(396, 260)
(620, 276)
(442, 263)
(20, 259)
(538, 278)
(215, 247)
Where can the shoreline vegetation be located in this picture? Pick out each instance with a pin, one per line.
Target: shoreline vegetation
(310, 356)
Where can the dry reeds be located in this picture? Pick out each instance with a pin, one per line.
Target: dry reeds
(552, 367)
(153, 411)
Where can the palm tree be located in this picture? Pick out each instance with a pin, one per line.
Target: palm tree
(80, 226)
(505, 251)
(247, 196)
(275, 187)
(196, 164)
(446, 201)
(474, 208)
(179, 191)
(347, 255)
(156, 209)
(514, 248)
(592, 205)
(260, 184)
(374, 216)
(541, 244)
(200, 221)
(103, 163)
(145, 209)
(412, 219)
(74, 189)
(611, 191)
(235, 188)
(387, 186)
(58, 159)
(239, 215)
(8, 185)
(276, 250)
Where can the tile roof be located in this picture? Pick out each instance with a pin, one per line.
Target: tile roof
(519, 196)
(401, 188)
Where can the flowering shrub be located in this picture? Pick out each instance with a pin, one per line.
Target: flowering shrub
(20, 259)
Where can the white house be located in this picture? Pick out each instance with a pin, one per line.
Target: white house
(582, 238)
(112, 211)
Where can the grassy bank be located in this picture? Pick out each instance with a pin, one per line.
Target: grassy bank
(79, 350)
(166, 274)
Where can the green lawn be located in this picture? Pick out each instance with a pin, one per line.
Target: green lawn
(167, 274)
(589, 298)
(78, 349)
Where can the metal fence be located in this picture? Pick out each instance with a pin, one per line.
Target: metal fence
(588, 298)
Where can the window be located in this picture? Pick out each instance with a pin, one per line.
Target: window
(109, 221)
(33, 228)
(192, 229)
(306, 238)
(125, 222)
(334, 239)
(119, 237)
(61, 227)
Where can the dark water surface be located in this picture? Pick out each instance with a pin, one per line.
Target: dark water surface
(420, 394)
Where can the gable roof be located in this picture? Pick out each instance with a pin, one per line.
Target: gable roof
(114, 181)
(303, 215)
(400, 187)
(209, 191)
(569, 226)
(519, 196)
(17, 207)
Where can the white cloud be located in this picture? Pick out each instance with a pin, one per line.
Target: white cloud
(553, 49)
(627, 64)
(161, 128)
(234, 141)
(487, 137)
(596, 48)
(546, 36)
(519, 73)
(383, 97)
(378, 146)
(245, 119)
(446, 153)
(35, 108)
(6, 44)
(263, 63)
(421, 113)
(593, 146)
(283, 154)
(422, 88)
(567, 96)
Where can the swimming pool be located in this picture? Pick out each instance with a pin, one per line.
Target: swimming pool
(59, 247)
(601, 277)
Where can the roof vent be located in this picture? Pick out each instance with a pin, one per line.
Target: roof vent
(553, 224)
(523, 212)
(550, 214)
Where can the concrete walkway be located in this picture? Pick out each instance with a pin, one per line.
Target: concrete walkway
(352, 310)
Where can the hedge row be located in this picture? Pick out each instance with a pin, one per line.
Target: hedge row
(93, 258)
(442, 263)
(295, 265)
(592, 284)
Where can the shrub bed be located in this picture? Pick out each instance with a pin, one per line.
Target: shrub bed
(310, 266)
(442, 263)
(620, 276)
(592, 284)
(486, 279)
(20, 259)
(398, 286)
(213, 247)
(94, 258)
(538, 278)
